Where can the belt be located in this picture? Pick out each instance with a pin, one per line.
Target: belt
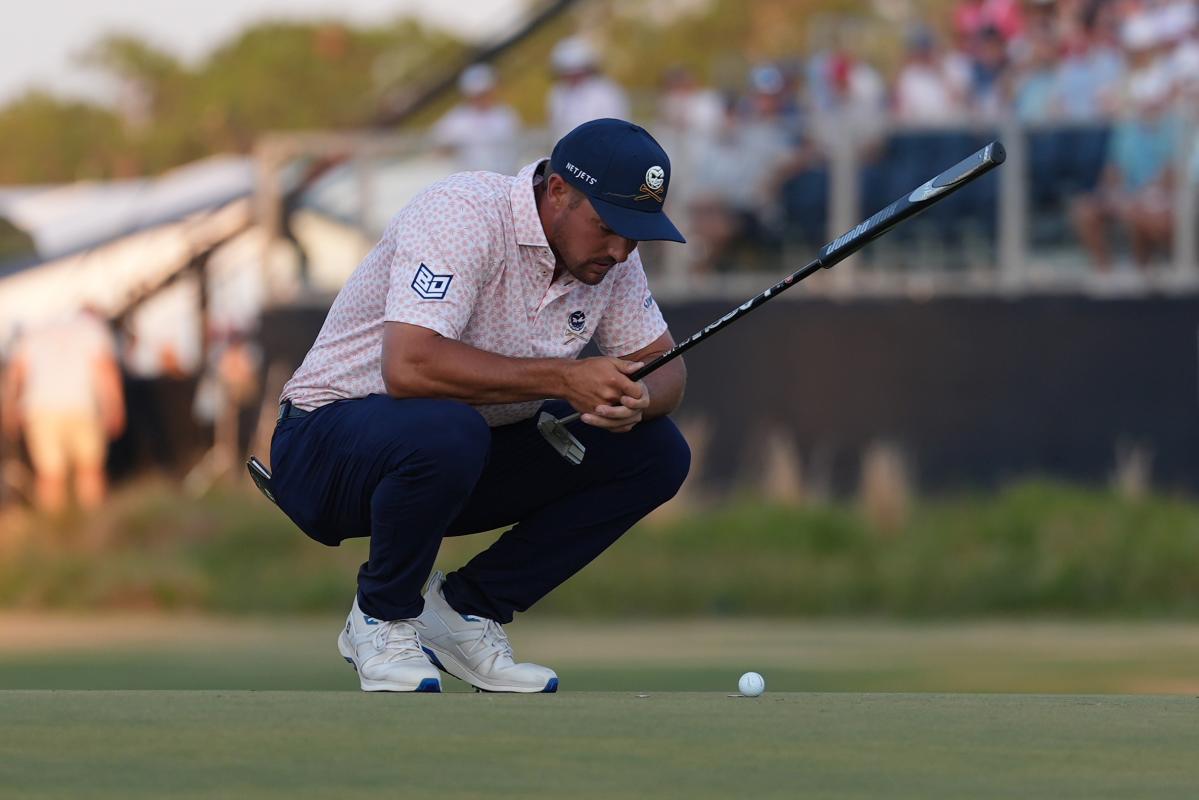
(288, 411)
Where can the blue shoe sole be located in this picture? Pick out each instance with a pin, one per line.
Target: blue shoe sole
(428, 685)
(551, 687)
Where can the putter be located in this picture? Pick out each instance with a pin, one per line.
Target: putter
(261, 477)
(554, 430)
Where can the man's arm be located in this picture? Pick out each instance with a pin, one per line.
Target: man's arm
(419, 362)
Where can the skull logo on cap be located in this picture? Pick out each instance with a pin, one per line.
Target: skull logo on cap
(655, 176)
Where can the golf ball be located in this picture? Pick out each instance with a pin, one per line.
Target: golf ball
(751, 684)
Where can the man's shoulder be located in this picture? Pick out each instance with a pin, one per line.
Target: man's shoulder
(459, 202)
(485, 186)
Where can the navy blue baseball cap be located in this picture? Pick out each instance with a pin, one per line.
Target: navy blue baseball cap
(623, 172)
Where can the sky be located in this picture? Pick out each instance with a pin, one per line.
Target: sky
(43, 37)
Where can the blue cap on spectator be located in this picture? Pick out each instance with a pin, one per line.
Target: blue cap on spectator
(623, 172)
(767, 79)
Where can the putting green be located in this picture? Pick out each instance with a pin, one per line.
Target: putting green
(839, 718)
(134, 744)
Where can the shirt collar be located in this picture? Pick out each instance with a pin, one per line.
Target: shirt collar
(525, 218)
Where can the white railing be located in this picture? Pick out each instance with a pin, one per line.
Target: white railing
(1007, 262)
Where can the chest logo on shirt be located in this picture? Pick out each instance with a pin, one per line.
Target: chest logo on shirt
(576, 325)
(428, 285)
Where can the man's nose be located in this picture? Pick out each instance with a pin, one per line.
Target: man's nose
(621, 248)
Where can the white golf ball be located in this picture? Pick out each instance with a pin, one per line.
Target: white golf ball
(751, 684)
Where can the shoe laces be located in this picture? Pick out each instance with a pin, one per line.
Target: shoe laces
(493, 637)
(399, 640)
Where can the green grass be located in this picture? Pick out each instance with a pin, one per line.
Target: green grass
(594, 745)
(140, 706)
(166, 653)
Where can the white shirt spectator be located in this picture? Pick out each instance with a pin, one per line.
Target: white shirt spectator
(571, 103)
(924, 93)
(481, 138)
(60, 359)
(691, 109)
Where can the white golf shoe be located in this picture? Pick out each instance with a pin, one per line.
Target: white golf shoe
(387, 655)
(474, 649)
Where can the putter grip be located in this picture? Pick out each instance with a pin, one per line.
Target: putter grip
(968, 169)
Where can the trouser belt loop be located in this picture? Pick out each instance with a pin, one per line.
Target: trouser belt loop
(289, 411)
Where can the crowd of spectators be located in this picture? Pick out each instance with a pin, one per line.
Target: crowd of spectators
(1097, 83)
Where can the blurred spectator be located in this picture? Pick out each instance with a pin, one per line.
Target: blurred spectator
(927, 91)
(687, 107)
(62, 391)
(989, 78)
(1178, 24)
(718, 194)
(1035, 94)
(1091, 69)
(480, 133)
(581, 93)
(1138, 181)
(735, 207)
(971, 17)
(848, 96)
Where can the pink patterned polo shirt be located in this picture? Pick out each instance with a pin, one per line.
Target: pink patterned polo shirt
(468, 258)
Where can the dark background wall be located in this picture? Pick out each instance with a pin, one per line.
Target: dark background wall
(974, 391)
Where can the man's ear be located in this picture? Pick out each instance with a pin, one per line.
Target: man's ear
(558, 190)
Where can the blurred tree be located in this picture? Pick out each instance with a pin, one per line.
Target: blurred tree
(273, 76)
(50, 140)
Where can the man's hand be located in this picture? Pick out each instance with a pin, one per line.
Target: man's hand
(601, 389)
(620, 418)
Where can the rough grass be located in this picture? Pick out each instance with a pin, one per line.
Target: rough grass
(1037, 547)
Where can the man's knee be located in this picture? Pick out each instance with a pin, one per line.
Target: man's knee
(667, 456)
(453, 438)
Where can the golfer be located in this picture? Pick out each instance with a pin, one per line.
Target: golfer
(413, 416)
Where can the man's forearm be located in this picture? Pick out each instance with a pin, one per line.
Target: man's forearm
(666, 387)
(448, 368)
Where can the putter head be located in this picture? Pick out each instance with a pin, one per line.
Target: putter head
(261, 477)
(561, 439)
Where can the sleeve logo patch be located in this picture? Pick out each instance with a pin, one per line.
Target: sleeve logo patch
(648, 301)
(428, 285)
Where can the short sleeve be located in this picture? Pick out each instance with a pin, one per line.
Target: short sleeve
(632, 319)
(445, 249)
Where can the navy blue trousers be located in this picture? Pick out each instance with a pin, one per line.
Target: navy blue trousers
(407, 473)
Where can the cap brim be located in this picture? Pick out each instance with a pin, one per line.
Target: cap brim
(640, 226)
